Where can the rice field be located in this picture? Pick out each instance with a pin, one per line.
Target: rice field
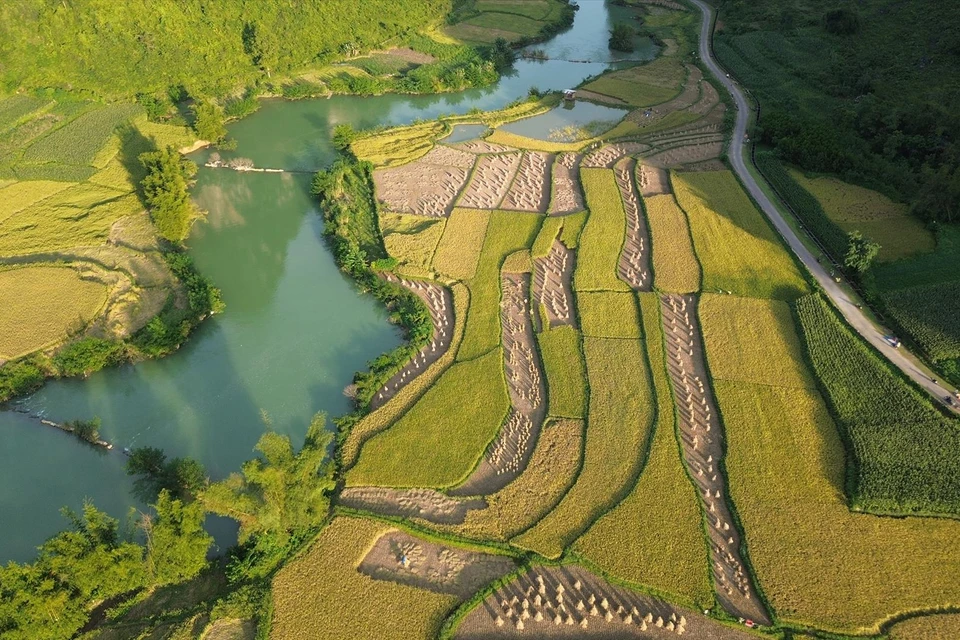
(619, 422)
(322, 591)
(442, 437)
(499, 136)
(737, 248)
(605, 314)
(675, 266)
(41, 306)
(655, 537)
(412, 240)
(397, 146)
(930, 314)
(602, 236)
(927, 627)
(17, 196)
(16, 108)
(566, 373)
(459, 250)
(645, 85)
(79, 142)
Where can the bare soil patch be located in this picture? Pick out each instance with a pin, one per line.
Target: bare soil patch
(653, 180)
(420, 188)
(530, 189)
(481, 147)
(491, 179)
(409, 55)
(608, 155)
(686, 154)
(426, 504)
(634, 265)
(570, 602)
(566, 195)
(399, 557)
(440, 303)
(701, 436)
(445, 156)
(551, 284)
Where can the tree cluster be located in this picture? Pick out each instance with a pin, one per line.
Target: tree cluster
(166, 191)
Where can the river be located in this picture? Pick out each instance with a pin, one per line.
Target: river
(294, 331)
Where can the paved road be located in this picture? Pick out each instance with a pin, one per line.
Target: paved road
(844, 300)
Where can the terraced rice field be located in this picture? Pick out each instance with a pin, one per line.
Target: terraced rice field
(602, 237)
(675, 266)
(644, 85)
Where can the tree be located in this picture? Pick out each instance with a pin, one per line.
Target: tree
(181, 478)
(177, 544)
(208, 122)
(501, 55)
(860, 252)
(165, 188)
(343, 135)
(621, 37)
(841, 22)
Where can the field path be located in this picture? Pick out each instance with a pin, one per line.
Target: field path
(844, 300)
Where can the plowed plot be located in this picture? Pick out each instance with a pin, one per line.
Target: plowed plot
(424, 189)
(653, 180)
(566, 186)
(399, 557)
(570, 602)
(491, 180)
(529, 190)
(426, 504)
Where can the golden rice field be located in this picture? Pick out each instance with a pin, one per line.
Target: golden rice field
(928, 627)
(655, 536)
(412, 240)
(565, 371)
(459, 249)
(397, 146)
(607, 314)
(499, 136)
(17, 196)
(518, 262)
(40, 306)
(737, 248)
(567, 229)
(441, 438)
(753, 340)
(603, 235)
(675, 266)
(619, 422)
(321, 595)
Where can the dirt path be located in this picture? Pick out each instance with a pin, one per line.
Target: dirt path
(634, 266)
(426, 504)
(702, 440)
(440, 304)
(846, 301)
(508, 454)
(570, 602)
(551, 284)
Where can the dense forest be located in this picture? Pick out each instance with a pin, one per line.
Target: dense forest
(866, 90)
(121, 48)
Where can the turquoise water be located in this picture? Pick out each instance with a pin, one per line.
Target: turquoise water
(568, 122)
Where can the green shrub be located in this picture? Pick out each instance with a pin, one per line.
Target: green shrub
(20, 378)
(86, 356)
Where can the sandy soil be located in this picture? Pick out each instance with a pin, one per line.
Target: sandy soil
(702, 442)
(426, 504)
(634, 265)
(483, 147)
(566, 195)
(551, 284)
(399, 557)
(508, 454)
(530, 190)
(417, 187)
(491, 179)
(653, 180)
(570, 602)
(608, 155)
(440, 304)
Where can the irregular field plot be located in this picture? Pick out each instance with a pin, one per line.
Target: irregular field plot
(321, 593)
(440, 439)
(459, 249)
(929, 268)
(41, 305)
(620, 418)
(410, 239)
(14, 108)
(645, 85)
(603, 234)
(605, 314)
(738, 249)
(490, 181)
(675, 266)
(398, 146)
(655, 536)
(79, 141)
(20, 195)
(566, 372)
(420, 188)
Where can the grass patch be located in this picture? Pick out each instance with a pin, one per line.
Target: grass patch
(931, 315)
(605, 314)
(510, 21)
(619, 422)
(905, 455)
(737, 248)
(319, 590)
(566, 374)
(751, 340)
(399, 145)
(654, 537)
(506, 233)
(642, 86)
(40, 306)
(675, 266)
(79, 141)
(412, 240)
(459, 250)
(439, 440)
(602, 237)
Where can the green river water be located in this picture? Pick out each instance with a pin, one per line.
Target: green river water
(294, 331)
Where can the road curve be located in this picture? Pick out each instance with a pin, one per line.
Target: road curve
(844, 301)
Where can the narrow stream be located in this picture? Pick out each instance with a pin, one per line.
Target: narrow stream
(295, 329)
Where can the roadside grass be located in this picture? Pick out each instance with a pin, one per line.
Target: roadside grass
(317, 594)
(605, 314)
(78, 142)
(675, 266)
(905, 454)
(440, 439)
(506, 233)
(522, 503)
(603, 234)
(40, 306)
(459, 250)
(19, 195)
(752, 340)
(819, 564)
(566, 373)
(930, 314)
(619, 421)
(737, 248)
(412, 240)
(397, 145)
(644, 85)
(655, 536)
